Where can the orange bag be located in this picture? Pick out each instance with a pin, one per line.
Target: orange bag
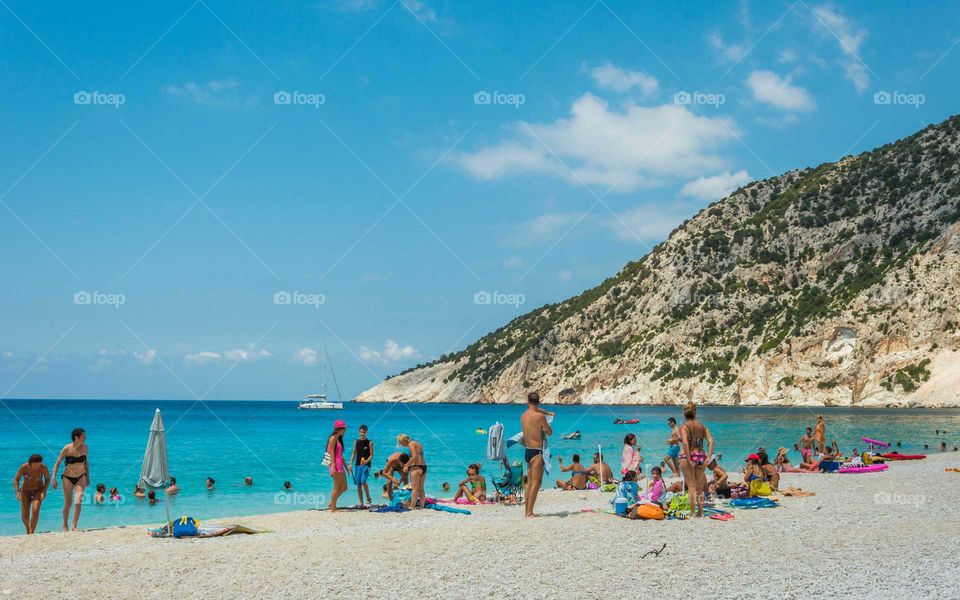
(650, 511)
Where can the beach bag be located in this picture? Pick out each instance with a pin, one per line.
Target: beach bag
(327, 460)
(680, 503)
(185, 527)
(650, 511)
(759, 487)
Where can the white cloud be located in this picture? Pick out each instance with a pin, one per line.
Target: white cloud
(620, 80)
(421, 10)
(540, 229)
(201, 358)
(215, 93)
(730, 52)
(101, 364)
(788, 55)
(639, 147)
(850, 38)
(146, 357)
(355, 5)
(392, 352)
(715, 187)
(8, 355)
(241, 355)
(646, 223)
(512, 262)
(565, 275)
(306, 356)
(770, 88)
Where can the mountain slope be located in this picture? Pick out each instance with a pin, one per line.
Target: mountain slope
(838, 285)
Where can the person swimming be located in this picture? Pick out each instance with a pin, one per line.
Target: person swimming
(578, 475)
(98, 498)
(173, 489)
(210, 483)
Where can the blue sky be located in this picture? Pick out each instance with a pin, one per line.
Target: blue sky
(169, 168)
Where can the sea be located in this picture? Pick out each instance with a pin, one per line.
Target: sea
(274, 442)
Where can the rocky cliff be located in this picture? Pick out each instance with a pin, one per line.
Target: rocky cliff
(836, 285)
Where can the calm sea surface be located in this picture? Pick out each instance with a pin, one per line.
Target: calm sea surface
(274, 442)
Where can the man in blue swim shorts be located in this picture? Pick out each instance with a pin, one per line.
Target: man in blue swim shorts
(361, 458)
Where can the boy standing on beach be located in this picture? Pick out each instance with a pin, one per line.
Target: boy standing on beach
(361, 458)
(535, 427)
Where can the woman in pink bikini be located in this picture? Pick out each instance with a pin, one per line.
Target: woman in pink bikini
(338, 468)
(692, 457)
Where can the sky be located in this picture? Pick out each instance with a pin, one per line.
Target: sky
(199, 199)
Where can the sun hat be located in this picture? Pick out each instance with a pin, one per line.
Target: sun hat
(339, 424)
(753, 457)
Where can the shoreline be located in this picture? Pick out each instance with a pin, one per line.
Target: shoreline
(835, 543)
(521, 402)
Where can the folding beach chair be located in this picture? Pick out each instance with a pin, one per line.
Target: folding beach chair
(510, 482)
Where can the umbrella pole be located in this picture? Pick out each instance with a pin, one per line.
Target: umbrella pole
(169, 524)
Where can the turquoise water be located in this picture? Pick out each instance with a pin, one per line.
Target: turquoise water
(274, 442)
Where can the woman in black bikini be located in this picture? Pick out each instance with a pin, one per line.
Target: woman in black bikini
(417, 470)
(36, 478)
(692, 457)
(76, 475)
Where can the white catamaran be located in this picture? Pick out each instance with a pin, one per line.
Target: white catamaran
(319, 401)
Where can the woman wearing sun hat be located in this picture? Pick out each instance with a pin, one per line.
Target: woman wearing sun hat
(338, 468)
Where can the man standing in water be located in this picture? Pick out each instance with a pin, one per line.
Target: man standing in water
(820, 434)
(535, 427)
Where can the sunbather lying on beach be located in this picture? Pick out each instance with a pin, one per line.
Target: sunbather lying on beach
(797, 492)
(578, 474)
(394, 472)
(782, 462)
(474, 487)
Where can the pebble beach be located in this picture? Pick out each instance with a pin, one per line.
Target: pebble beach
(876, 535)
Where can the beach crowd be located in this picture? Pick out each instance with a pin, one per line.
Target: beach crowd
(689, 457)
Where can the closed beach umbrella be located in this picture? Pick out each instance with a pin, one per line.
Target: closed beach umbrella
(155, 472)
